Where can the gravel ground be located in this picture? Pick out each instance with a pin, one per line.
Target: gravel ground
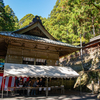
(83, 96)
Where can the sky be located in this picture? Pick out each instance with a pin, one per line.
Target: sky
(35, 7)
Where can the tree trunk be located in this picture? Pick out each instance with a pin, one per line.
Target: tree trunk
(93, 26)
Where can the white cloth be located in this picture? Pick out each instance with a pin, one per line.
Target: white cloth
(40, 88)
(49, 88)
(20, 85)
(44, 88)
(62, 85)
(6, 83)
(28, 91)
(25, 70)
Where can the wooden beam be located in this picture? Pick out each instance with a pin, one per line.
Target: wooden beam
(35, 46)
(47, 47)
(23, 44)
(57, 49)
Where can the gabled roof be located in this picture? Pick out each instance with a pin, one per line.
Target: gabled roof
(93, 42)
(35, 28)
(35, 38)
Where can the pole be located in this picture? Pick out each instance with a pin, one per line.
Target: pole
(81, 52)
(80, 85)
(62, 81)
(2, 87)
(92, 87)
(47, 88)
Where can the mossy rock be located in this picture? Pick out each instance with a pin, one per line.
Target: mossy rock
(98, 96)
(95, 87)
(84, 79)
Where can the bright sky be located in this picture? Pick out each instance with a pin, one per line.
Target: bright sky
(35, 7)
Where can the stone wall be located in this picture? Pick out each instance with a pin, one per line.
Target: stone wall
(90, 59)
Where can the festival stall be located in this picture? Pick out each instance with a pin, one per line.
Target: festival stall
(25, 70)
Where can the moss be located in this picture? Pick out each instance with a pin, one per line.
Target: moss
(84, 80)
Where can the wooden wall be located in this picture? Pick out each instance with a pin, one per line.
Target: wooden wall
(15, 54)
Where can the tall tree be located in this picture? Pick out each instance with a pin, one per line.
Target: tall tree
(69, 19)
(2, 14)
(8, 20)
(12, 21)
(27, 19)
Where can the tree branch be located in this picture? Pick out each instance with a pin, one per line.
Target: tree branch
(96, 6)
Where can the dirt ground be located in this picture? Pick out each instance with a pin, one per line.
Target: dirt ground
(68, 95)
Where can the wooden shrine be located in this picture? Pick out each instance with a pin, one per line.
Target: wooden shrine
(33, 45)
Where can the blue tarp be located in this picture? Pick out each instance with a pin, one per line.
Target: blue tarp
(1, 64)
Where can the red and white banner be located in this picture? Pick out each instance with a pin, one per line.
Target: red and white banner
(9, 81)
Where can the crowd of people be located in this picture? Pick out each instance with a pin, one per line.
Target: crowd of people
(37, 83)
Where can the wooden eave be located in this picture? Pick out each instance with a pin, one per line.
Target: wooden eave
(92, 44)
(63, 50)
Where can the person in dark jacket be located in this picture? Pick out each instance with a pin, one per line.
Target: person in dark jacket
(29, 85)
(40, 82)
(17, 82)
(25, 85)
(35, 85)
(40, 85)
(20, 85)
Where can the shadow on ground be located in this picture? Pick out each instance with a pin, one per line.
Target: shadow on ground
(69, 95)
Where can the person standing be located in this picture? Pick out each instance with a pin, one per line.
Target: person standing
(40, 82)
(20, 85)
(35, 85)
(40, 85)
(25, 85)
(29, 85)
(17, 82)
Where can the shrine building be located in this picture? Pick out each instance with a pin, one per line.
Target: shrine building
(33, 45)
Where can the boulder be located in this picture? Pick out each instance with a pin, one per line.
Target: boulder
(98, 96)
(84, 79)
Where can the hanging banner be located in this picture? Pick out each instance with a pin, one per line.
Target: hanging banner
(9, 81)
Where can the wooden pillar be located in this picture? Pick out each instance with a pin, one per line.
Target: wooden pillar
(47, 87)
(80, 85)
(98, 79)
(92, 87)
(34, 61)
(2, 87)
(62, 81)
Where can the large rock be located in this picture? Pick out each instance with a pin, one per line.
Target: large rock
(94, 86)
(83, 79)
(98, 96)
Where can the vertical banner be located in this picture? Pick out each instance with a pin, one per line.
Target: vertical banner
(6, 83)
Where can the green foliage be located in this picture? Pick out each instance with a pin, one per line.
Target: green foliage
(93, 75)
(69, 19)
(2, 60)
(8, 20)
(27, 19)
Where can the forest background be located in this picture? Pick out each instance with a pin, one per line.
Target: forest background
(68, 21)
